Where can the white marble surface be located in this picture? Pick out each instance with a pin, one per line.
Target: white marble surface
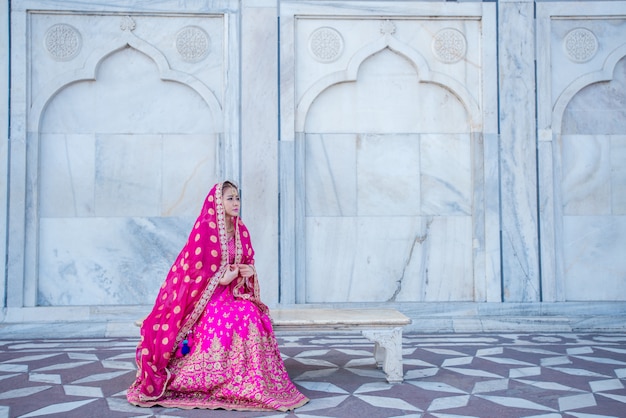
(384, 156)
(520, 243)
(259, 133)
(607, 115)
(106, 261)
(146, 104)
(581, 132)
(4, 141)
(130, 125)
(488, 261)
(586, 165)
(144, 54)
(387, 107)
(387, 259)
(119, 175)
(595, 266)
(322, 317)
(383, 100)
(369, 202)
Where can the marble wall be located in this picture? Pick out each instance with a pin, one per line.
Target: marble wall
(126, 131)
(581, 91)
(390, 117)
(389, 153)
(4, 142)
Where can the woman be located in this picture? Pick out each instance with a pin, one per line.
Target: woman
(209, 342)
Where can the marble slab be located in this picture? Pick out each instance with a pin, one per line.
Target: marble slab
(4, 145)
(594, 262)
(319, 317)
(386, 259)
(106, 261)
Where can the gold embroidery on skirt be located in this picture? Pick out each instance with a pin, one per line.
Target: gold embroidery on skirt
(250, 375)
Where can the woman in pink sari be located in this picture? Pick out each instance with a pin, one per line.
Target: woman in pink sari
(209, 342)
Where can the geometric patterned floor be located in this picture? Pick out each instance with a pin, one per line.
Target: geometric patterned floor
(446, 376)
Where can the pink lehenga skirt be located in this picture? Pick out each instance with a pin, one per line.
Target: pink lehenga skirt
(234, 363)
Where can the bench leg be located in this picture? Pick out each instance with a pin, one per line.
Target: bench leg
(388, 352)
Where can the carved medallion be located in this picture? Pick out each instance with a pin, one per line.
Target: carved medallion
(580, 45)
(449, 45)
(193, 43)
(63, 42)
(326, 44)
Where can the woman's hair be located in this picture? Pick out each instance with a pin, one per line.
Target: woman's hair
(228, 184)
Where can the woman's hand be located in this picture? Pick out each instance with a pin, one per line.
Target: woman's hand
(232, 271)
(246, 270)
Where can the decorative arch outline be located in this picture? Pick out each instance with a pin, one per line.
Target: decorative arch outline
(604, 74)
(90, 68)
(419, 62)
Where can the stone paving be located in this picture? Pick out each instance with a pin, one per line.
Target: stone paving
(452, 375)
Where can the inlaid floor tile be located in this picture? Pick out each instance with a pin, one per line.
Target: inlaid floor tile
(446, 376)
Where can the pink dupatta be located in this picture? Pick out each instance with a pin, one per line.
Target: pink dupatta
(186, 291)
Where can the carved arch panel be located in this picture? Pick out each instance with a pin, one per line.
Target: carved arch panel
(581, 148)
(112, 181)
(388, 157)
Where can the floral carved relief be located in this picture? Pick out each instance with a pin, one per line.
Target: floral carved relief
(580, 45)
(326, 44)
(193, 44)
(63, 42)
(449, 45)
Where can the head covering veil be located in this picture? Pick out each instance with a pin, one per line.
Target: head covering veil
(187, 289)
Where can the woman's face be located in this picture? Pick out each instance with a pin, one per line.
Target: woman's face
(230, 198)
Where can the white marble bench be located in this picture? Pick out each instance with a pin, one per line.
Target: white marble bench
(381, 326)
